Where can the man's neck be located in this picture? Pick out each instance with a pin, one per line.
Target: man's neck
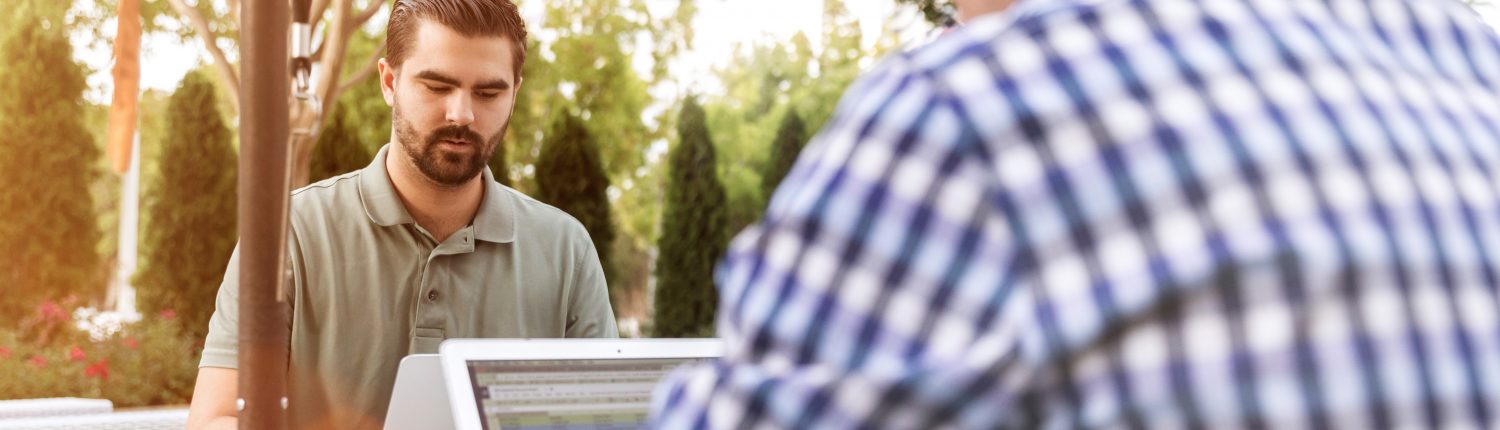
(441, 210)
(973, 9)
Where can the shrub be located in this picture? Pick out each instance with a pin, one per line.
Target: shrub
(188, 209)
(48, 237)
(693, 232)
(570, 177)
(147, 363)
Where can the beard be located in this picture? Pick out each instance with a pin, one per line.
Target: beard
(440, 165)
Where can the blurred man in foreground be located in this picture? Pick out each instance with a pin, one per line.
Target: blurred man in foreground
(1134, 213)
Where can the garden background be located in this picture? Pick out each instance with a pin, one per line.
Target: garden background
(638, 117)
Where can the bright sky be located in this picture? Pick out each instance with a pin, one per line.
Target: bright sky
(720, 25)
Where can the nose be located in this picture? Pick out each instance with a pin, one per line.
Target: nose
(460, 109)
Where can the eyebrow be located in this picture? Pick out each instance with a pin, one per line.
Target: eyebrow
(493, 84)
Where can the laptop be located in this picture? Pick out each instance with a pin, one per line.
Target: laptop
(419, 399)
(539, 383)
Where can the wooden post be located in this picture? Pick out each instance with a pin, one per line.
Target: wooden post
(264, 189)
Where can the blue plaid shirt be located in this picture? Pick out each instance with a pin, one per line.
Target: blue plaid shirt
(1134, 213)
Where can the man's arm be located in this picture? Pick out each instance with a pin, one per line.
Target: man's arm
(213, 399)
(218, 378)
(589, 311)
(214, 395)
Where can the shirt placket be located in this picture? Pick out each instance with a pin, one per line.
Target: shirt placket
(433, 303)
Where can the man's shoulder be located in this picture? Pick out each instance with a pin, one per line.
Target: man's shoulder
(324, 188)
(534, 217)
(328, 196)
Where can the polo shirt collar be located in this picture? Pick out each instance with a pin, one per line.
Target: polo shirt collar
(495, 221)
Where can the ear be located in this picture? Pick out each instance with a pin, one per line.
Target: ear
(387, 82)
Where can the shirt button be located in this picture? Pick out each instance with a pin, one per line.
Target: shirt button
(432, 296)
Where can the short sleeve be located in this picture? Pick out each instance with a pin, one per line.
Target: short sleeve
(221, 347)
(589, 312)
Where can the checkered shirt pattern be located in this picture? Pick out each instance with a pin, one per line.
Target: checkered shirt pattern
(1155, 214)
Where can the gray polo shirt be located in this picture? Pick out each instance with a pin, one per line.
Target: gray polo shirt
(371, 286)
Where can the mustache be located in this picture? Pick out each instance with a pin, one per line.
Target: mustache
(458, 133)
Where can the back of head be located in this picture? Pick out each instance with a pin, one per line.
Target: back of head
(472, 18)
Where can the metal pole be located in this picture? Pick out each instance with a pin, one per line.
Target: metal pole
(264, 189)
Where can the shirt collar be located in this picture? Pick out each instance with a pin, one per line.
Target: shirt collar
(495, 221)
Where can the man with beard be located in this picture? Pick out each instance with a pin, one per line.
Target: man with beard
(423, 244)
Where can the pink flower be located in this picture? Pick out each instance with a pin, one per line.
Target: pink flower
(51, 311)
(167, 314)
(131, 343)
(99, 369)
(4, 352)
(39, 361)
(76, 354)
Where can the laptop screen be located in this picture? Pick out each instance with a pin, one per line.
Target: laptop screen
(567, 394)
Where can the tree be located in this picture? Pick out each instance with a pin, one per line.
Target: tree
(359, 124)
(693, 232)
(579, 59)
(47, 242)
(584, 57)
(767, 81)
(334, 24)
(500, 165)
(339, 149)
(570, 176)
(188, 203)
(790, 137)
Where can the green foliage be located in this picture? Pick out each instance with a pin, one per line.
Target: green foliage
(51, 14)
(768, 81)
(188, 207)
(694, 235)
(500, 165)
(586, 68)
(581, 60)
(837, 65)
(756, 93)
(570, 176)
(157, 16)
(47, 242)
(147, 363)
(359, 124)
(339, 149)
(937, 12)
(791, 135)
(744, 202)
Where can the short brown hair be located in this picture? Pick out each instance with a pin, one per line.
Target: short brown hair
(467, 17)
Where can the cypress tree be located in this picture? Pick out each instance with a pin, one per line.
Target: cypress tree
(188, 207)
(339, 149)
(570, 176)
(791, 135)
(48, 238)
(693, 235)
